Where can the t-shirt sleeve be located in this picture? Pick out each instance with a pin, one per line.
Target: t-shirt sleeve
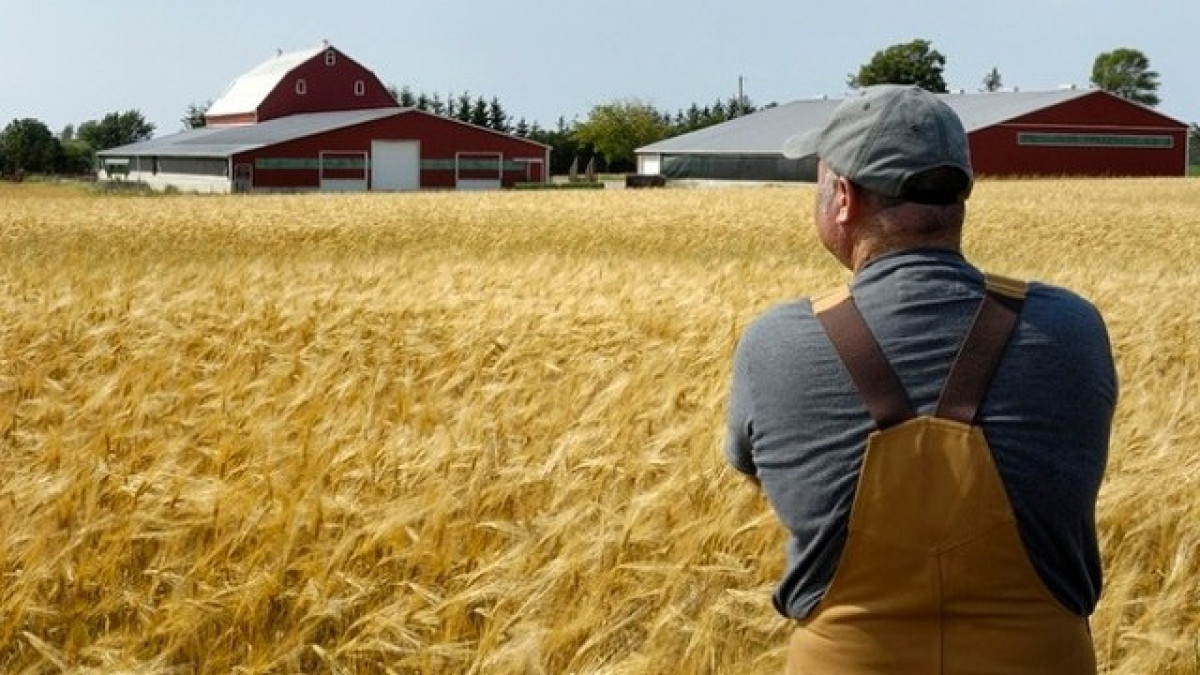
(740, 416)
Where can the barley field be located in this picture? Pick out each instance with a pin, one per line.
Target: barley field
(480, 432)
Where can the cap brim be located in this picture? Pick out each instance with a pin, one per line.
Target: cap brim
(801, 146)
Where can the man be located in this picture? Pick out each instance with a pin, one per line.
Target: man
(932, 438)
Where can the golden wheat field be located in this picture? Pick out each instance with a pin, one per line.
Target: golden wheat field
(480, 433)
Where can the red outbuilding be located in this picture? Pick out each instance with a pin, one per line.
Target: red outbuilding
(1061, 132)
(1071, 132)
(317, 120)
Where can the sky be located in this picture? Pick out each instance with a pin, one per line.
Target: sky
(77, 60)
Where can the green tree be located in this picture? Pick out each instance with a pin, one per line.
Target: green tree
(194, 115)
(439, 107)
(1194, 144)
(462, 107)
(497, 118)
(564, 147)
(115, 129)
(616, 129)
(76, 158)
(479, 112)
(992, 81)
(1126, 73)
(906, 63)
(28, 146)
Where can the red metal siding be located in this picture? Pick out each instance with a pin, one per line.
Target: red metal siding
(995, 151)
(440, 139)
(326, 87)
(1101, 109)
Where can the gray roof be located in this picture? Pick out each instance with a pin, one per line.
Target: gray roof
(228, 141)
(764, 132)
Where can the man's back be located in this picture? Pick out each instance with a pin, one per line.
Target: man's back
(798, 423)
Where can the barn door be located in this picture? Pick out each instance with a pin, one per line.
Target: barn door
(243, 177)
(395, 165)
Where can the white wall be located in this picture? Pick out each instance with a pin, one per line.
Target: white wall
(180, 181)
(649, 164)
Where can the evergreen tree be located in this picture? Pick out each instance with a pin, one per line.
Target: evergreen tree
(992, 81)
(462, 107)
(479, 112)
(497, 118)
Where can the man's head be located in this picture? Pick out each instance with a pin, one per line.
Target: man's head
(894, 171)
(888, 140)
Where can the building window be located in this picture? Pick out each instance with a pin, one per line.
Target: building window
(360, 88)
(301, 87)
(193, 166)
(330, 58)
(1095, 140)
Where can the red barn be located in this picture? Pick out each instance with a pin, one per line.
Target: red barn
(317, 120)
(1064, 132)
(1072, 132)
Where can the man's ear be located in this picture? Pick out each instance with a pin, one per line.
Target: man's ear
(846, 201)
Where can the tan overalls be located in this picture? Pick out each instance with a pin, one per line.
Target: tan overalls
(934, 577)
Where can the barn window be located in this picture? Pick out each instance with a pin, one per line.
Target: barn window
(195, 166)
(330, 58)
(1096, 140)
(360, 88)
(301, 87)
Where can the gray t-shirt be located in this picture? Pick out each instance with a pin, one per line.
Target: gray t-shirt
(797, 422)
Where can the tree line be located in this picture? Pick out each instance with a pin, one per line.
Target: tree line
(28, 146)
(605, 140)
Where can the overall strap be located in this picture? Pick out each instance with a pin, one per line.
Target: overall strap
(860, 353)
(980, 353)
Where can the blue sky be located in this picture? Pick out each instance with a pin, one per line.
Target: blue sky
(74, 60)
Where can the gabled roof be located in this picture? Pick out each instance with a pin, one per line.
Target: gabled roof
(980, 111)
(764, 132)
(227, 141)
(248, 91)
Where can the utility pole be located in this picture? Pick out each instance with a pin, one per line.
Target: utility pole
(741, 98)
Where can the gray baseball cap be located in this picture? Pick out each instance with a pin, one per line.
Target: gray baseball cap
(885, 136)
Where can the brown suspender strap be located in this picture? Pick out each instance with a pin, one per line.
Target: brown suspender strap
(861, 355)
(981, 350)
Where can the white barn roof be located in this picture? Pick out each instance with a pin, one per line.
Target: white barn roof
(765, 131)
(248, 91)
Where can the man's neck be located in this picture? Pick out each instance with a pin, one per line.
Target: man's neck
(865, 253)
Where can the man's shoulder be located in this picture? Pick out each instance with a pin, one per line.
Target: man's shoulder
(782, 318)
(1062, 304)
(782, 331)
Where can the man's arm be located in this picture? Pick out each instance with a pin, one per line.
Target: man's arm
(739, 425)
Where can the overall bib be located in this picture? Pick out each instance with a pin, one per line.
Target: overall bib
(934, 577)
